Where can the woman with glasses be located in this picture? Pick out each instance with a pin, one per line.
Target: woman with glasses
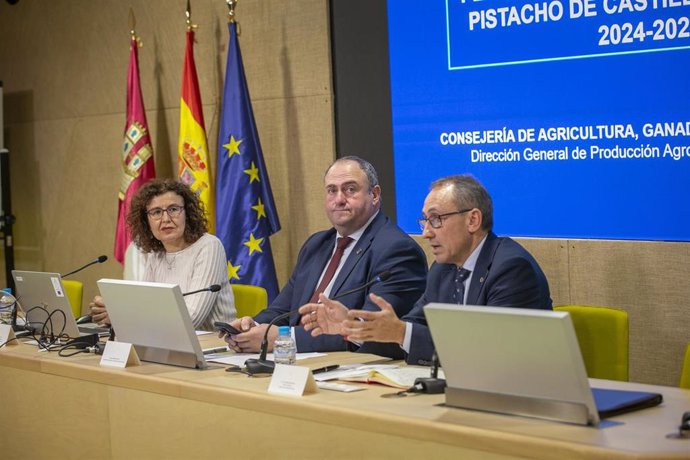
(167, 223)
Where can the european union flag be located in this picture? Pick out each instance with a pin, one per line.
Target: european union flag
(245, 212)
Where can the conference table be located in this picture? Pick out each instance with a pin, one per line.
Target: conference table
(71, 407)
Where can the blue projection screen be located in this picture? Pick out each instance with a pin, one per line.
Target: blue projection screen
(575, 114)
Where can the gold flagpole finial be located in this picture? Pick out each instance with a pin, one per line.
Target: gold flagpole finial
(188, 15)
(132, 23)
(232, 4)
(231, 9)
(132, 28)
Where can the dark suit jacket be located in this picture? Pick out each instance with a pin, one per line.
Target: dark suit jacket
(382, 247)
(506, 275)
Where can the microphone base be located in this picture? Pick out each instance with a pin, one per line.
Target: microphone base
(430, 386)
(21, 330)
(259, 366)
(84, 341)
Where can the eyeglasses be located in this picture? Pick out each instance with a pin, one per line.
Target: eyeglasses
(173, 211)
(436, 220)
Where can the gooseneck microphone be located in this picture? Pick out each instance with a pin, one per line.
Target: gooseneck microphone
(211, 288)
(99, 260)
(264, 366)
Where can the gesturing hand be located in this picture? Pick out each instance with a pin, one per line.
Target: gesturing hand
(374, 326)
(323, 318)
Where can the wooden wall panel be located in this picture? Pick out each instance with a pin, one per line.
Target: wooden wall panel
(552, 255)
(650, 281)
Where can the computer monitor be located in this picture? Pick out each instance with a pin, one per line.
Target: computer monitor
(154, 318)
(511, 360)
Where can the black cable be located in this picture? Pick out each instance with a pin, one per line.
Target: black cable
(422, 385)
(416, 388)
(5, 343)
(30, 325)
(48, 326)
(67, 347)
(76, 345)
(41, 339)
(52, 329)
(238, 370)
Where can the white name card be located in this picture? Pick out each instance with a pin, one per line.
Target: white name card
(292, 381)
(7, 334)
(119, 354)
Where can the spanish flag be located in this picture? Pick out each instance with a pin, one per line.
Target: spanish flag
(192, 148)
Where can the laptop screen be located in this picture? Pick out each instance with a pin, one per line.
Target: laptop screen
(510, 360)
(41, 294)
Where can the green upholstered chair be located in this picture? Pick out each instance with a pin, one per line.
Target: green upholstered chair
(685, 370)
(75, 293)
(602, 333)
(249, 300)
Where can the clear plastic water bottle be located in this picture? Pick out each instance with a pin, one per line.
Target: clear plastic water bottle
(284, 348)
(7, 303)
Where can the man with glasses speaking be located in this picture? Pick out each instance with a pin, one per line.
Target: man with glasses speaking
(472, 266)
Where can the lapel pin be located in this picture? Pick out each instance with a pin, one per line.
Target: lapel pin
(359, 251)
(481, 280)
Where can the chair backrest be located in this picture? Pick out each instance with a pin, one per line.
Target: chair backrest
(602, 334)
(75, 293)
(249, 300)
(685, 370)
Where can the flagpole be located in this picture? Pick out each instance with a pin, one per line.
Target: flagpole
(193, 156)
(132, 22)
(231, 13)
(188, 15)
(137, 156)
(132, 28)
(246, 214)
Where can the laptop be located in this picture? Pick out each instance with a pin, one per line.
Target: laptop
(46, 291)
(522, 362)
(154, 318)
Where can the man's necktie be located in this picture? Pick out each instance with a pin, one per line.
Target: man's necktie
(460, 276)
(332, 267)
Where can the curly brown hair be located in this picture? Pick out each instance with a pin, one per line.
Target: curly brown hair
(138, 222)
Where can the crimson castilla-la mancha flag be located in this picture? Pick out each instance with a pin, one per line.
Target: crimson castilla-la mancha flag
(137, 153)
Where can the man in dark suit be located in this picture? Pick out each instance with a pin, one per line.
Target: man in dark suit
(375, 245)
(473, 266)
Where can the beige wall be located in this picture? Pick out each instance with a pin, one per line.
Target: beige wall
(63, 64)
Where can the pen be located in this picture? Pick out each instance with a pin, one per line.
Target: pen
(325, 369)
(215, 350)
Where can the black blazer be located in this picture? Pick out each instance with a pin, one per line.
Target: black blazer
(506, 275)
